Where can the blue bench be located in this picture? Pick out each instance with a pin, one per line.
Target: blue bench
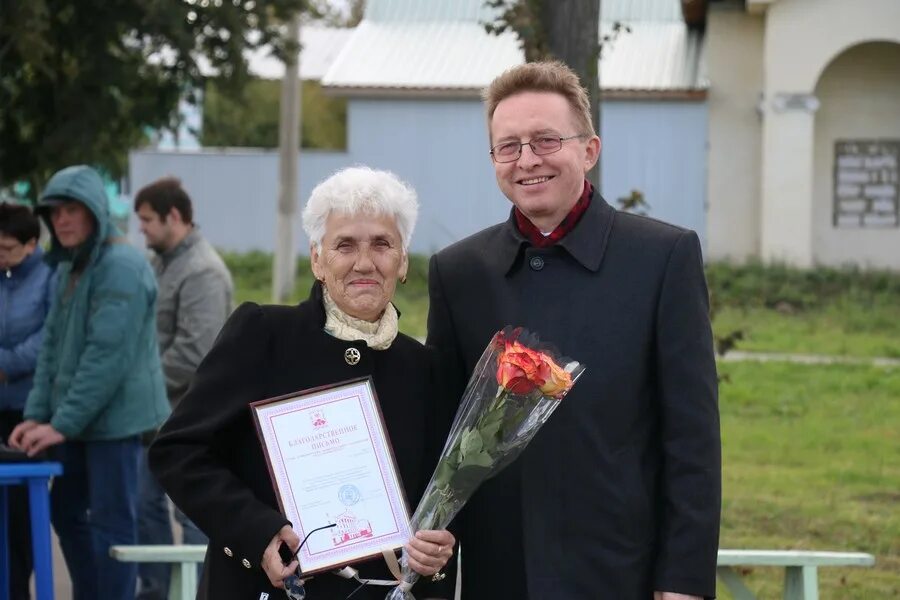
(36, 476)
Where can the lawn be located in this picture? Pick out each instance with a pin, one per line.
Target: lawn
(811, 460)
(811, 453)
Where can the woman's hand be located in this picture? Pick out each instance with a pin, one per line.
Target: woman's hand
(430, 550)
(275, 569)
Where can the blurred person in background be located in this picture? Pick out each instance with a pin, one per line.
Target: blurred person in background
(98, 384)
(195, 290)
(26, 285)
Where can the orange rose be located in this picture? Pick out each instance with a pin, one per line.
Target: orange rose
(521, 370)
(559, 381)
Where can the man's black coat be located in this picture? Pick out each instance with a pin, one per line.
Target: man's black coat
(619, 494)
(208, 458)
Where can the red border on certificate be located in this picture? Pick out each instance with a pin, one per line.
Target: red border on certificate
(331, 463)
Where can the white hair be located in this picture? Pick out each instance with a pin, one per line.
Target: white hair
(356, 190)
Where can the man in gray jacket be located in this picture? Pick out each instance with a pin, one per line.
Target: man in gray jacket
(195, 291)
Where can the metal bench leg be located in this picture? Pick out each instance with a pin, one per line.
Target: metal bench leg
(39, 504)
(734, 583)
(183, 585)
(801, 583)
(4, 546)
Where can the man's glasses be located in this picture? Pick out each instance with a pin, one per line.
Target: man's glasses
(293, 585)
(541, 145)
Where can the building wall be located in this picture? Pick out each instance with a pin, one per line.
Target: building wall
(734, 51)
(802, 37)
(658, 148)
(234, 191)
(441, 148)
(860, 100)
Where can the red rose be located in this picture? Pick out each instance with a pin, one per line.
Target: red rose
(521, 370)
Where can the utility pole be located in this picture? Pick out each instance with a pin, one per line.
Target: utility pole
(284, 267)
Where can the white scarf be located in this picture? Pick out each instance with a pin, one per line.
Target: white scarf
(378, 335)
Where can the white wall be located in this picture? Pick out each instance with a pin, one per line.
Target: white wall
(860, 96)
(801, 38)
(734, 51)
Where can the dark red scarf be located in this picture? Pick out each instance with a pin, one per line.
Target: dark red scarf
(538, 239)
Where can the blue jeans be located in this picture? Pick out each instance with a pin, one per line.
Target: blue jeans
(93, 506)
(155, 527)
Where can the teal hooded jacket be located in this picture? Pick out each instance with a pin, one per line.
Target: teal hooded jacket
(98, 374)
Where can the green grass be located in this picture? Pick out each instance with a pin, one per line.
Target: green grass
(252, 274)
(843, 328)
(811, 453)
(811, 460)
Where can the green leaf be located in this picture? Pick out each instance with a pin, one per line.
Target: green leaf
(471, 444)
(467, 479)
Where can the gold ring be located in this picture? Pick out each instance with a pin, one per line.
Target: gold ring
(438, 577)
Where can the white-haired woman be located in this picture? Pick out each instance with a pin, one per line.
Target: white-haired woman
(207, 456)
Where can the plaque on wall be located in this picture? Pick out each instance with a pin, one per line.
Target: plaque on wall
(866, 183)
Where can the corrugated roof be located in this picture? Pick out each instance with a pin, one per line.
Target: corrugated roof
(406, 11)
(655, 56)
(441, 47)
(436, 56)
(320, 47)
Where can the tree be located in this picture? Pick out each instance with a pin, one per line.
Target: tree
(333, 16)
(565, 30)
(250, 117)
(82, 81)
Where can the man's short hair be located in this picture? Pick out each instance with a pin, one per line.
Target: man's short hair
(19, 222)
(163, 195)
(546, 76)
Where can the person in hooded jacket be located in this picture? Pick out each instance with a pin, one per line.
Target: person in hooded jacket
(26, 283)
(98, 383)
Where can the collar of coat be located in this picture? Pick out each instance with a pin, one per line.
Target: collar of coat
(181, 247)
(586, 242)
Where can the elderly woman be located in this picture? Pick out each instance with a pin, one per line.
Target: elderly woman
(207, 456)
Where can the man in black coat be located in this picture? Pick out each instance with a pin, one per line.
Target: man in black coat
(619, 495)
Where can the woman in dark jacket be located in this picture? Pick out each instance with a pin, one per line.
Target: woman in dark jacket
(208, 457)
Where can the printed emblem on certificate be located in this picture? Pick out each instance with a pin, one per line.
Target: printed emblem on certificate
(331, 462)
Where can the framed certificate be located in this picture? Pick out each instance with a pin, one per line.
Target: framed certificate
(331, 463)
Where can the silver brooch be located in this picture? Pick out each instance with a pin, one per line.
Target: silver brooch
(352, 356)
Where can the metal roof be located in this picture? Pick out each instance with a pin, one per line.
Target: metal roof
(440, 47)
(654, 57)
(320, 46)
(435, 56)
(406, 11)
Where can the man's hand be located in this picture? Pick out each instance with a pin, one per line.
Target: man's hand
(271, 563)
(34, 437)
(673, 596)
(430, 550)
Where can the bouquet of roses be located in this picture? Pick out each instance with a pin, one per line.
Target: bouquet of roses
(512, 392)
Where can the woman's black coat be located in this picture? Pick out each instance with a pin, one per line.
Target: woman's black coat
(208, 457)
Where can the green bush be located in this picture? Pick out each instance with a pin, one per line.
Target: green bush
(755, 285)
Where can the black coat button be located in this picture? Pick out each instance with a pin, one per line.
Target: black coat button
(537, 263)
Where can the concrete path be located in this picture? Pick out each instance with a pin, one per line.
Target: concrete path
(809, 359)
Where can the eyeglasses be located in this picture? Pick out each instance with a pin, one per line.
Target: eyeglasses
(545, 144)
